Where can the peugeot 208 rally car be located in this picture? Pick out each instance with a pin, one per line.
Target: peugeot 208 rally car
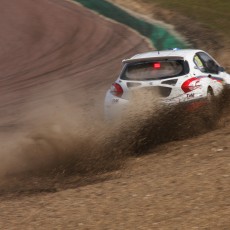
(176, 76)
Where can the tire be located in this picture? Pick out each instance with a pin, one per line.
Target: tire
(211, 114)
(210, 95)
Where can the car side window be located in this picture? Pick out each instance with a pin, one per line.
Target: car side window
(209, 64)
(199, 63)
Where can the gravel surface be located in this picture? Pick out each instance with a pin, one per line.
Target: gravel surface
(52, 89)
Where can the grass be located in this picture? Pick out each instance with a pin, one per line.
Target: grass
(215, 14)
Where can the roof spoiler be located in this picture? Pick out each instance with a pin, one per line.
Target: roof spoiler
(165, 58)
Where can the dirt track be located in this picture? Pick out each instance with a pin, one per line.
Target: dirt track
(58, 59)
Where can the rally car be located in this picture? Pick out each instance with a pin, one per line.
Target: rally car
(175, 76)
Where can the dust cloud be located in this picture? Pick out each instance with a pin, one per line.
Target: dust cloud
(61, 139)
(56, 137)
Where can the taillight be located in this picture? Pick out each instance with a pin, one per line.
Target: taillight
(190, 85)
(116, 90)
(156, 65)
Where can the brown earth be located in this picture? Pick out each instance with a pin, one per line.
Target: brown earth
(61, 167)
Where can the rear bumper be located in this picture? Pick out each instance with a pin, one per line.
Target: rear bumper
(115, 107)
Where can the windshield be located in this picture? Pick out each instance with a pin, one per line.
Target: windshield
(153, 70)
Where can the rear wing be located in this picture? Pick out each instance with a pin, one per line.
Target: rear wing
(165, 58)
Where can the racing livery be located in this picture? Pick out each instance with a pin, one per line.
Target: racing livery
(176, 76)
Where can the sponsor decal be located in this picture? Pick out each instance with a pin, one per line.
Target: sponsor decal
(115, 100)
(191, 95)
(191, 84)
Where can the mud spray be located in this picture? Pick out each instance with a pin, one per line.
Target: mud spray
(68, 141)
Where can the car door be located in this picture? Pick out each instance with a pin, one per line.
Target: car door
(211, 69)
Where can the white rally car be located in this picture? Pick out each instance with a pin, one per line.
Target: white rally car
(175, 76)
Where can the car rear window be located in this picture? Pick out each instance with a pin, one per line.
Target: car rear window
(154, 70)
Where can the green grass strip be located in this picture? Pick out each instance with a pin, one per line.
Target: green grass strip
(215, 14)
(159, 36)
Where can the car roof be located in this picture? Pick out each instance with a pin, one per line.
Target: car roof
(182, 53)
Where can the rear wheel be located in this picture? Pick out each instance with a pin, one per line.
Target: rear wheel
(211, 113)
(210, 95)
